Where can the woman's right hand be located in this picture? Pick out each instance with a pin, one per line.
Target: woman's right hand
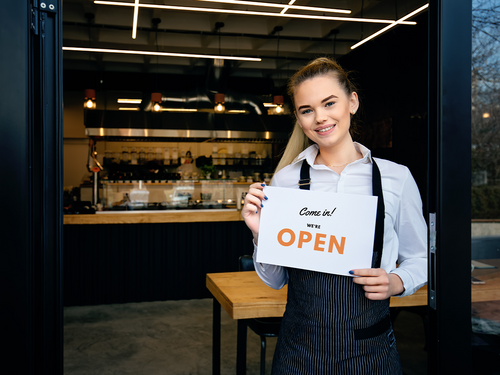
(252, 206)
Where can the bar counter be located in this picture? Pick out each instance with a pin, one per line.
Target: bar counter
(136, 256)
(150, 217)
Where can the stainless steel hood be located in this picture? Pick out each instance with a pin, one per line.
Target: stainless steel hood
(196, 126)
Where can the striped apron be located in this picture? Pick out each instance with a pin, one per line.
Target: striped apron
(329, 326)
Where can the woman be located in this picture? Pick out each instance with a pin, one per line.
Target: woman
(336, 324)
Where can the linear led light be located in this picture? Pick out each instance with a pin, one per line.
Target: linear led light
(291, 3)
(130, 101)
(395, 23)
(252, 13)
(180, 109)
(269, 105)
(276, 5)
(150, 53)
(136, 15)
(237, 111)
(128, 109)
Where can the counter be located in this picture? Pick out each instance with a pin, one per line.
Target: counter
(149, 217)
(125, 257)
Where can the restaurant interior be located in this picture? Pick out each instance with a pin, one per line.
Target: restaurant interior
(171, 108)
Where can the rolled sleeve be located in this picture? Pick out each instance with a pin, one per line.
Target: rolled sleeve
(412, 234)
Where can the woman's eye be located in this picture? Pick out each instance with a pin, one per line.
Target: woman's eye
(306, 111)
(329, 104)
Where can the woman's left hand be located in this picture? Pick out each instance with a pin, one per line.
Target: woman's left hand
(377, 283)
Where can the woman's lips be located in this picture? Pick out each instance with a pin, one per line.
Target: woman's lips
(325, 130)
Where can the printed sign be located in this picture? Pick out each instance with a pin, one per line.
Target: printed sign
(318, 231)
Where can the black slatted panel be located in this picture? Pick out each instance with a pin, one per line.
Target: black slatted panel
(111, 263)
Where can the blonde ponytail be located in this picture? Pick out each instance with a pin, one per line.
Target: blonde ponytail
(297, 143)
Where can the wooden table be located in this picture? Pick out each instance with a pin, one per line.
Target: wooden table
(244, 296)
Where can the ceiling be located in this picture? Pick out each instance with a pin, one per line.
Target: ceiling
(86, 24)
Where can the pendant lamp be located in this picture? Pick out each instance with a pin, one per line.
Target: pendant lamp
(156, 102)
(219, 103)
(89, 102)
(278, 101)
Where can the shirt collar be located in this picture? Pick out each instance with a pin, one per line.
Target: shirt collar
(311, 152)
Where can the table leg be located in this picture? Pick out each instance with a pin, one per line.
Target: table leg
(241, 348)
(216, 338)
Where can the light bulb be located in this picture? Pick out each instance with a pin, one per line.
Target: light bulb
(279, 109)
(219, 107)
(157, 107)
(89, 104)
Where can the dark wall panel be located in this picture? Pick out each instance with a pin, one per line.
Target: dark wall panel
(106, 264)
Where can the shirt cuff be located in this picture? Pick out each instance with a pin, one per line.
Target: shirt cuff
(408, 283)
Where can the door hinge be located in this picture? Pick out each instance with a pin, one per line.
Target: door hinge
(432, 260)
(37, 6)
(46, 5)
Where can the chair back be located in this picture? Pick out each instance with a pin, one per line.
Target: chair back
(246, 263)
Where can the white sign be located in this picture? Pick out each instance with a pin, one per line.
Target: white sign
(318, 231)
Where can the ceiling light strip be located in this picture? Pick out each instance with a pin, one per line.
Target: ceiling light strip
(168, 54)
(129, 101)
(134, 23)
(398, 22)
(286, 8)
(179, 110)
(276, 5)
(252, 13)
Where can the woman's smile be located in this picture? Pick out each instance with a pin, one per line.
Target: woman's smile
(324, 130)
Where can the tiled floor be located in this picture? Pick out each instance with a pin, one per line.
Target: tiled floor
(175, 337)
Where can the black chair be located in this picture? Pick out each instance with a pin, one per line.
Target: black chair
(264, 327)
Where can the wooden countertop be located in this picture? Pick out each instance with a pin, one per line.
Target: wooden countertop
(243, 295)
(173, 216)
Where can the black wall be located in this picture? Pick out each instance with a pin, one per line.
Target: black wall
(391, 74)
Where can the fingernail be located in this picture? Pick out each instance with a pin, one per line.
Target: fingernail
(262, 205)
(262, 184)
(256, 212)
(351, 272)
(266, 198)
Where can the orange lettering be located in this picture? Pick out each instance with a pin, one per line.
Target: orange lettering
(340, 248)
(304, 237)
(319, 242)
(280, 237)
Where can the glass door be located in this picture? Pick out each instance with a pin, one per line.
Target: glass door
(485, 187)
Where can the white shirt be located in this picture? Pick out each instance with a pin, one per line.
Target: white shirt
(405, 230)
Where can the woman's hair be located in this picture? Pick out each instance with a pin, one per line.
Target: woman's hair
(319, 67)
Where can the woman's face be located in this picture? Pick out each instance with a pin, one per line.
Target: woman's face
(323, 110)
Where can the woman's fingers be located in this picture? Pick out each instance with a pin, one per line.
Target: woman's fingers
(377, 283)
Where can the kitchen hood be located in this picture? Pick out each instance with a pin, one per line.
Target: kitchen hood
(188, 127)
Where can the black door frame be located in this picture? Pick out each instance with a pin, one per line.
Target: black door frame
(449, 186)
(31, 129)
(31, 154)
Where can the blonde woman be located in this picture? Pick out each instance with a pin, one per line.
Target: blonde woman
(337, 324)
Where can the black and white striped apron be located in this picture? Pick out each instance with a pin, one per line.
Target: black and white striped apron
(329, 326)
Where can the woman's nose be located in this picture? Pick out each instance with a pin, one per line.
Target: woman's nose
(320, 116)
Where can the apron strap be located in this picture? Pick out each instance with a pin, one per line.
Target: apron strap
(305, 178)
(378, 242)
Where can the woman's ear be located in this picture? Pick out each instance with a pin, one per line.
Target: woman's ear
(353, 102)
